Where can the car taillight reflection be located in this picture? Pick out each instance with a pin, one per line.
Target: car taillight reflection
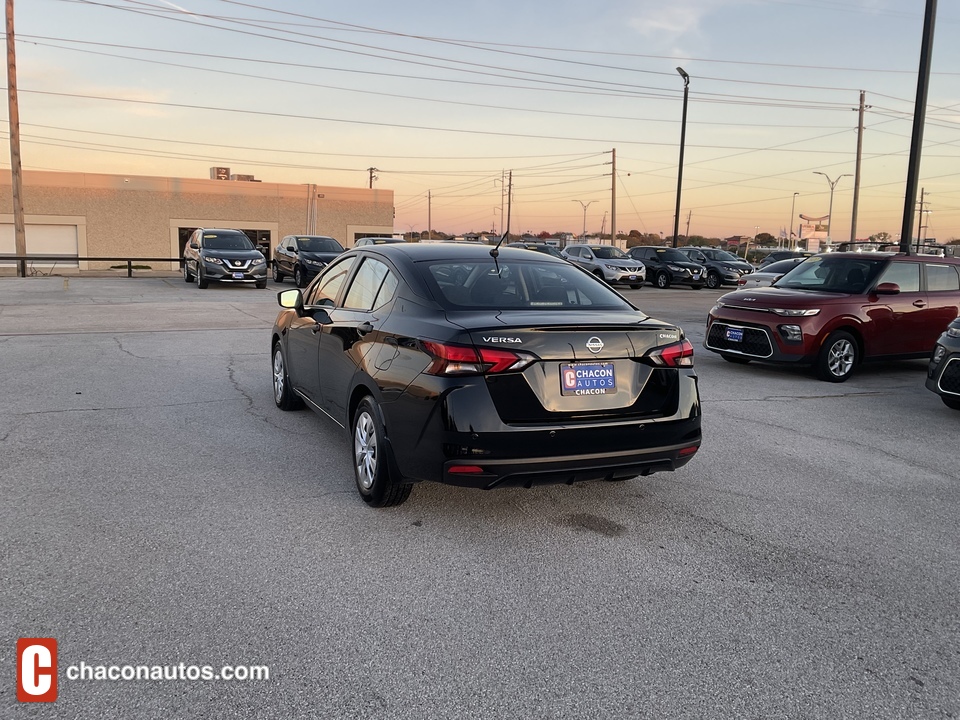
(449, 359)
(678, 354)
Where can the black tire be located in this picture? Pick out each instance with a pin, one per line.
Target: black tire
(713, 280)
(599, 275)
(261, 284)
(951, 402)
(202, 282)
(662, 280)
(735, 359)
(299, 277)
(277, 275)
(838, 357)
(187, 277)
(371, 465)
(283, 394)
(636, 287)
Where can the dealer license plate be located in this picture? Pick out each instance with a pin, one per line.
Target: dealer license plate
(587, 379)
(734, 334)
(238, 276)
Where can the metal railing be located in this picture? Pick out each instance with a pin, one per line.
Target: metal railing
(22, 260)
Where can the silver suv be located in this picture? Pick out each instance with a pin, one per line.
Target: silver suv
(608, 263)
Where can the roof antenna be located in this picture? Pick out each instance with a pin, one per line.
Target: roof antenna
(495, 251)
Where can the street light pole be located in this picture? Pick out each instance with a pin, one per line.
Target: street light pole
(793, 206)
(583, 237)
(683, 134)
(833, 184)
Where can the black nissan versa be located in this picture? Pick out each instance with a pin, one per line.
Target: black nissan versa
(446, 363)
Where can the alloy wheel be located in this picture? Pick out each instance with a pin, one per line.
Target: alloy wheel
(278, 376)
(840, 357)
(365, 450)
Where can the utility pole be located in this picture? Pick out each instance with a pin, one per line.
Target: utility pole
(509, 201)
(16, 177)
(793, 206)
(920, 217)
(429, 216)
(613, 200)
(856, 177)
(919, 116)
(373, 177)
(689, 213)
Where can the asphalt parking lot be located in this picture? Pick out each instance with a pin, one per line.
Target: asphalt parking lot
(158, 509)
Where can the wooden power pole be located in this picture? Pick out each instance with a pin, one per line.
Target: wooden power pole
(16, 177)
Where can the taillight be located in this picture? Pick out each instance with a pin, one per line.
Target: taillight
(468, 360)
(678, 354)
(742, 281)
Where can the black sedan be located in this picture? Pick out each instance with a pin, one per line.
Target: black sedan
(448, 364)
(943, 373)
(303, 256)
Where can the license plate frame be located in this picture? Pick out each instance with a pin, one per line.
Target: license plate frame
(238, 276)
(733, 334)
(582, 379)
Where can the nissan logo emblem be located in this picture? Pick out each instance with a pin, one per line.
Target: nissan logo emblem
(237, 263)
(594, 345)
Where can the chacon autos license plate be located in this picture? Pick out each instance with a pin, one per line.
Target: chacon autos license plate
(587, 379)
(734, 334)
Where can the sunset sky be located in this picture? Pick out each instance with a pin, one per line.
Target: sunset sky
(443, 98)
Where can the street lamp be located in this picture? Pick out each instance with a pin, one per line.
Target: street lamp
(583, 237)
(833, 184)
(683, 134)
(793, 206)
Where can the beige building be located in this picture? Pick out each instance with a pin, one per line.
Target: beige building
(135, 216)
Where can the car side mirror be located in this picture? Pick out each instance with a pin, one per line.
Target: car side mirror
(195, 245)
(887, 288)
(291, 300)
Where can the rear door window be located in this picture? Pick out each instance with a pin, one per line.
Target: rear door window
(942, 278)
(366, 285)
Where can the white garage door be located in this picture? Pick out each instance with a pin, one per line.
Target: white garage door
(42, 240)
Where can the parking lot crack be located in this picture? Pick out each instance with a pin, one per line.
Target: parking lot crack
(124, 350)
(251, 315)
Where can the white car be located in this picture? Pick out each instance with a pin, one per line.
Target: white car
(768, 275)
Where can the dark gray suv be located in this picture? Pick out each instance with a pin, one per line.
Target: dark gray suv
(723, 268)
(221, 255)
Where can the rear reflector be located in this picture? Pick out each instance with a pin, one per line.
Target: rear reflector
(464, 469)
(688, 451)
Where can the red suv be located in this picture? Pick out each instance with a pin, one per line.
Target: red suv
(835, 310)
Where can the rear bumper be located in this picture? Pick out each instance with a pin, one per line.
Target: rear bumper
(665, 448)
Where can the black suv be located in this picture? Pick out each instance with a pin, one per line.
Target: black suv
(303, 256)
(943, 373)
(666, 266)
(723, 268)
(227, 256)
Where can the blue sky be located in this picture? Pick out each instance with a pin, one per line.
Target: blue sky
(444, 97)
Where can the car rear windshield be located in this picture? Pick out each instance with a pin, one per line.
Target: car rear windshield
(725, 256)
(319, 244)
(481, 283)
(227, 241)
(782, 266)
(833, 274)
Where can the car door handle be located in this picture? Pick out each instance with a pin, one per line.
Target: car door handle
(919, 304)
(364, 328)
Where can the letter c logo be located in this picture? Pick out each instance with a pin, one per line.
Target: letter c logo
(36, 669)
